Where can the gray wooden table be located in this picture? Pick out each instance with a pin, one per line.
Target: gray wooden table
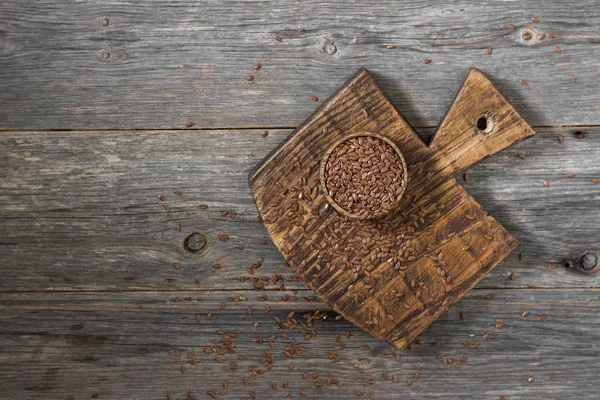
(121, 120)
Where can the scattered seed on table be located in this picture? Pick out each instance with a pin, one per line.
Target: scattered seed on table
(525, 313)
(530, 380)
(265, 133)
(278, 38)
(527, 36)
(521, 156)
(257, 66)
(203, 206)
(232, 213)
(391, 46)
(161, 197)
(546, 183)
(314, 98)
(541, 318)
(551, 35)
(511, 27)
(166, 207)
(596, 180)
(409, 383)
(176, 266)
(499, 323)
(489, 297)
(557, 49)
(239, 247)
(426, 61)
(570, 175)
(488, 51)
(512, 276)
(462, 315)
(535, 19)
(178, 227)
(178, 192)
(520, 256)
(523, 82)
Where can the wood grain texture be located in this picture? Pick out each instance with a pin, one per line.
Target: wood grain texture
(85, 205)
(169, 63)
(396, 275)
(73, 345)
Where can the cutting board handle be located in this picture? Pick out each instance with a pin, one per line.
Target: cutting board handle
(480, 123)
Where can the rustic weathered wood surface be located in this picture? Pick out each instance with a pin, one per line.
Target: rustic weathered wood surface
(85, 240)
(396, 275)
(158, 64)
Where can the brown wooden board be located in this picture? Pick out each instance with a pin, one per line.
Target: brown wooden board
(394, 276)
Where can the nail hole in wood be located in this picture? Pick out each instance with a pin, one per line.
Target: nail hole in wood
(589, 261)
(194, 242)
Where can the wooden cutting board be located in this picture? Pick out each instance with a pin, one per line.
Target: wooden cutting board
(396, 275)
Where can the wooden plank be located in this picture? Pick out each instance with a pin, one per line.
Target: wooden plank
(84, 205)
(74, 345)
(156, 64)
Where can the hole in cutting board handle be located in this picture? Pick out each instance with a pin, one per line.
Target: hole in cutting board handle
(484, 123)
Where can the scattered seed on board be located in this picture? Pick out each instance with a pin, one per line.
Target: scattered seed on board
(391, 46)
(278, 38)
(541, 318)
(511, 27)
(426, 61)
(531, 379)
(257, 66)
(250, 78)
(557, 49)
(527, 36)
(314, 98)
(178, 192)
(462, 315)
(525, 313)
(203, 207)
(523, 82)
(176, 266)
(546, 183)
(178, 227)
(535, 20)
(521, 156)
(190, 124)
(570, 175)
(511, 276)
(265, 133)
(573, 79)
(488, 51)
